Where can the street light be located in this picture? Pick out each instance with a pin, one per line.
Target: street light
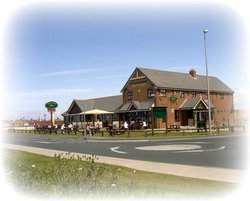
(208, 88)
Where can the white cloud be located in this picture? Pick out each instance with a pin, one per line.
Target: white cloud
(29, 104)
(69, 72)
(33, 96)
(52, 92)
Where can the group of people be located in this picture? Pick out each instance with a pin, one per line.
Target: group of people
(89, 129)
(126, 126)
(69, 127)
(134, 126)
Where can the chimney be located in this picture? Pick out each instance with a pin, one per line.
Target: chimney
(192, 72)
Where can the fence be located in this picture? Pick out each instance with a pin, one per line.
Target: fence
(130, 133)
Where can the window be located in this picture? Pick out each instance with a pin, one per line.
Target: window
(182, 94)
(150, 93)
(193, 94)
(221, 96)
(130, 95)
(105, 117)
(162, 92)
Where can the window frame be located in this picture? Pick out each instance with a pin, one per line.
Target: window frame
(130, 95)
(150, 93)
(162, 92)
(182, 94)
(193, 93)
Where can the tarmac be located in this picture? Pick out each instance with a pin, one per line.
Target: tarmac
(208, 173)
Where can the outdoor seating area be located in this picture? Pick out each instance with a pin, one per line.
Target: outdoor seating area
(127, 133)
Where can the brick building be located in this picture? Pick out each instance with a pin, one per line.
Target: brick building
(183, 94)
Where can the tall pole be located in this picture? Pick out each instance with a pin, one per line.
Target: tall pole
(205, 31)
(52, 119)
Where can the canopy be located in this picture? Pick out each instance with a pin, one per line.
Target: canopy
(97, 111)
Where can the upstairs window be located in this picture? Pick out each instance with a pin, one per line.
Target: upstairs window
(162, 92)
(222, 96)
(150, 93)
(130, 95)
(193, 94)
(182, 94)
(206, 95)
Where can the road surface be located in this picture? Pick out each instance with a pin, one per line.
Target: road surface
(228, 152)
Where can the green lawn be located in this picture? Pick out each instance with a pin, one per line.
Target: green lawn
(137, 134)
(62, 176)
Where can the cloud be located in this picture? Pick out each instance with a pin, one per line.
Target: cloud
(106, 77)
(27, 103)
(53, 92)
(33, 95)
(68, 72)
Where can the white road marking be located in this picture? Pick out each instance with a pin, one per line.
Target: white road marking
(202, 150)
(172, 147)
(114, 149)
(42, 142)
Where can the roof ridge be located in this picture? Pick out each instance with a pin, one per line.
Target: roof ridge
(98, 98)
(169, 71)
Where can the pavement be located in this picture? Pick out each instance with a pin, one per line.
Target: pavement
(209, 173)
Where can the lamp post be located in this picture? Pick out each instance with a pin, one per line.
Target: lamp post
(205, 31)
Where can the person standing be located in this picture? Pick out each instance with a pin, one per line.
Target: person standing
(144, 125)
(62, 128)
(125, 125)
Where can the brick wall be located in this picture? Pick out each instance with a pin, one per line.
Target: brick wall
(139, 88)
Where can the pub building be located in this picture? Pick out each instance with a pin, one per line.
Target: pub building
(184, 95)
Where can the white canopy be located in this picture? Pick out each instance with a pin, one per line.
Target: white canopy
(97, 111)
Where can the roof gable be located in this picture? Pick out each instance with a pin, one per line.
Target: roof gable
(137, 74)
(136, 105)
(195, 103)
(74, 109)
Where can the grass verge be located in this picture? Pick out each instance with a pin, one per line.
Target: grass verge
(62, 176)
(138, 134)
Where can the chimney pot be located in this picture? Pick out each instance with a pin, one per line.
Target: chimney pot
(192, 72)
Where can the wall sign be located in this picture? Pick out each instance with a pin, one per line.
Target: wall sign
(173, 99)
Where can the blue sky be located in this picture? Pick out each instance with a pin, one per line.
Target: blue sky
(57, 52)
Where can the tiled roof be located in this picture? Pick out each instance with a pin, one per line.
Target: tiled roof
(110, 104)
(183, 81)
(139, 105)
(191, 103)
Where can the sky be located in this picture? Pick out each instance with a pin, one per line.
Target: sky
(62, 52)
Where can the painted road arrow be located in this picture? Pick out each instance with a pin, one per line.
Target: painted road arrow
(114, 149)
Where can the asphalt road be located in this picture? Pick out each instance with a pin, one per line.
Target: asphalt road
(214, 151)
